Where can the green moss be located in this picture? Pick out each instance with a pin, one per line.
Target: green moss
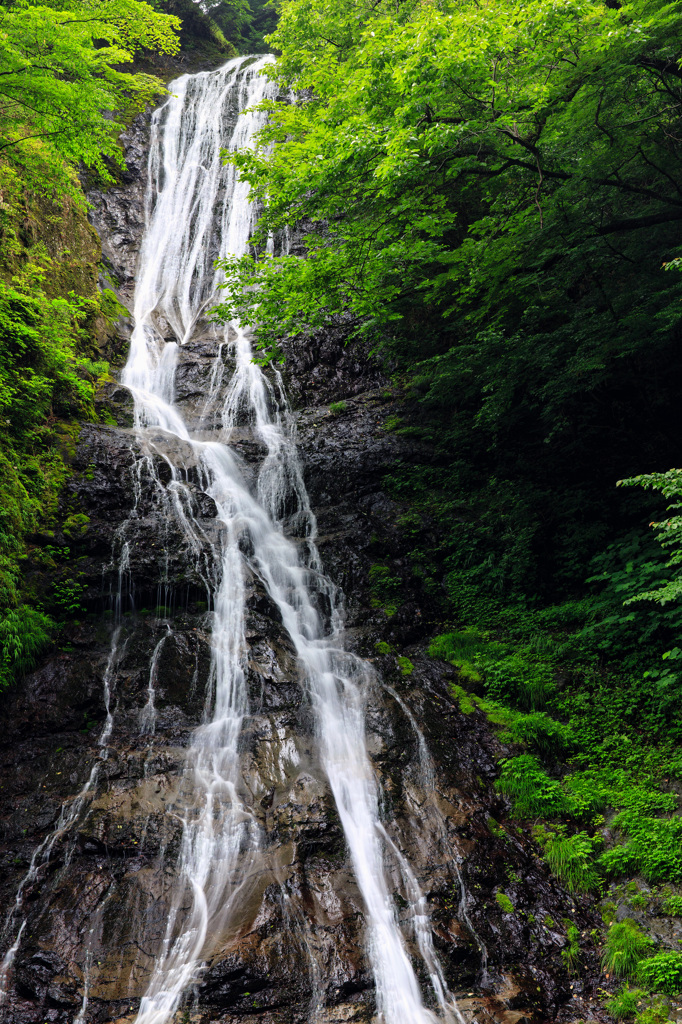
(504, 903)
(336, 408)
(405, 665)
(495, 828)
(75, 525)
(466, 705)
(468, 672)
(50, 311)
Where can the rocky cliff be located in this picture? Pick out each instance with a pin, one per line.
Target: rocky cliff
(94, 740)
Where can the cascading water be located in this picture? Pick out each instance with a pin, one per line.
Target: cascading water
(70, 813)
(197, 211)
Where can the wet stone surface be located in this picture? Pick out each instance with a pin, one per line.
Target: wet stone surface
(96, 908)
(96, 741)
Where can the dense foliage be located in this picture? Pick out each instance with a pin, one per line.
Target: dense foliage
(245, 23)
(62, 82)
(65, 93)
(489, 195)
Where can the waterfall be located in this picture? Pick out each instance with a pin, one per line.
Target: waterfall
(198, 210)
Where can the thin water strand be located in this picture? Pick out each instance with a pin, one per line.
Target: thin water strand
(70, 812)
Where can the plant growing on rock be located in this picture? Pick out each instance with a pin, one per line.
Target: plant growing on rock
(504, 903)
(24, 633)
(673, 905)
(571, 859)
(570, 954)
(662, 972)
(626, 945)
(531, 789)
(623, 1006)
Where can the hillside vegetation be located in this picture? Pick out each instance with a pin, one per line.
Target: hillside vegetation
(492, 198)
(64, 98)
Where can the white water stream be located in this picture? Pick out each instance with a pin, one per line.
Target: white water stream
(71, 811)
(198, 210)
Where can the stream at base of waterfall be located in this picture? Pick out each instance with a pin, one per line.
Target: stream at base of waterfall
(197, 210)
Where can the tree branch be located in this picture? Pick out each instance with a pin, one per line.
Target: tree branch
(647, 221)
(664, 67)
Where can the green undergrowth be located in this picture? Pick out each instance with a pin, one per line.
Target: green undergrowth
(52, 318)
(585, 697)
(385, 588)
(587, 741)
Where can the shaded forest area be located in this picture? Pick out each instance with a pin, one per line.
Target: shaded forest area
(232, 26)
(491, 198)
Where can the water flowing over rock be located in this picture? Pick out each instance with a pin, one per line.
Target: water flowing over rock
(220, 804)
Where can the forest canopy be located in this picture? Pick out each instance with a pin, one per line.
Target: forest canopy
(434, 152)
(488, 193)
(63, 93)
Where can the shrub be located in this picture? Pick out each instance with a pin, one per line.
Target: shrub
(624, 1004)
(570, 954)
(385, 589)
(460, 646)
(657, 1013)
(654, 847)
(625, 946)
(533, 792)
(662, 972)
(571, 859)
(518, 679)
(673, 905)
(538, 730)
(67, 595)
(24, 634)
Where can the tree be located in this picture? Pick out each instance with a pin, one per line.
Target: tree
(61, 83)
(487, 193)
(244, 22)
(437, 144)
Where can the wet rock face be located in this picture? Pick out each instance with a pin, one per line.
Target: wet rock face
(95, 744)
(96, 907)
(118, 212)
